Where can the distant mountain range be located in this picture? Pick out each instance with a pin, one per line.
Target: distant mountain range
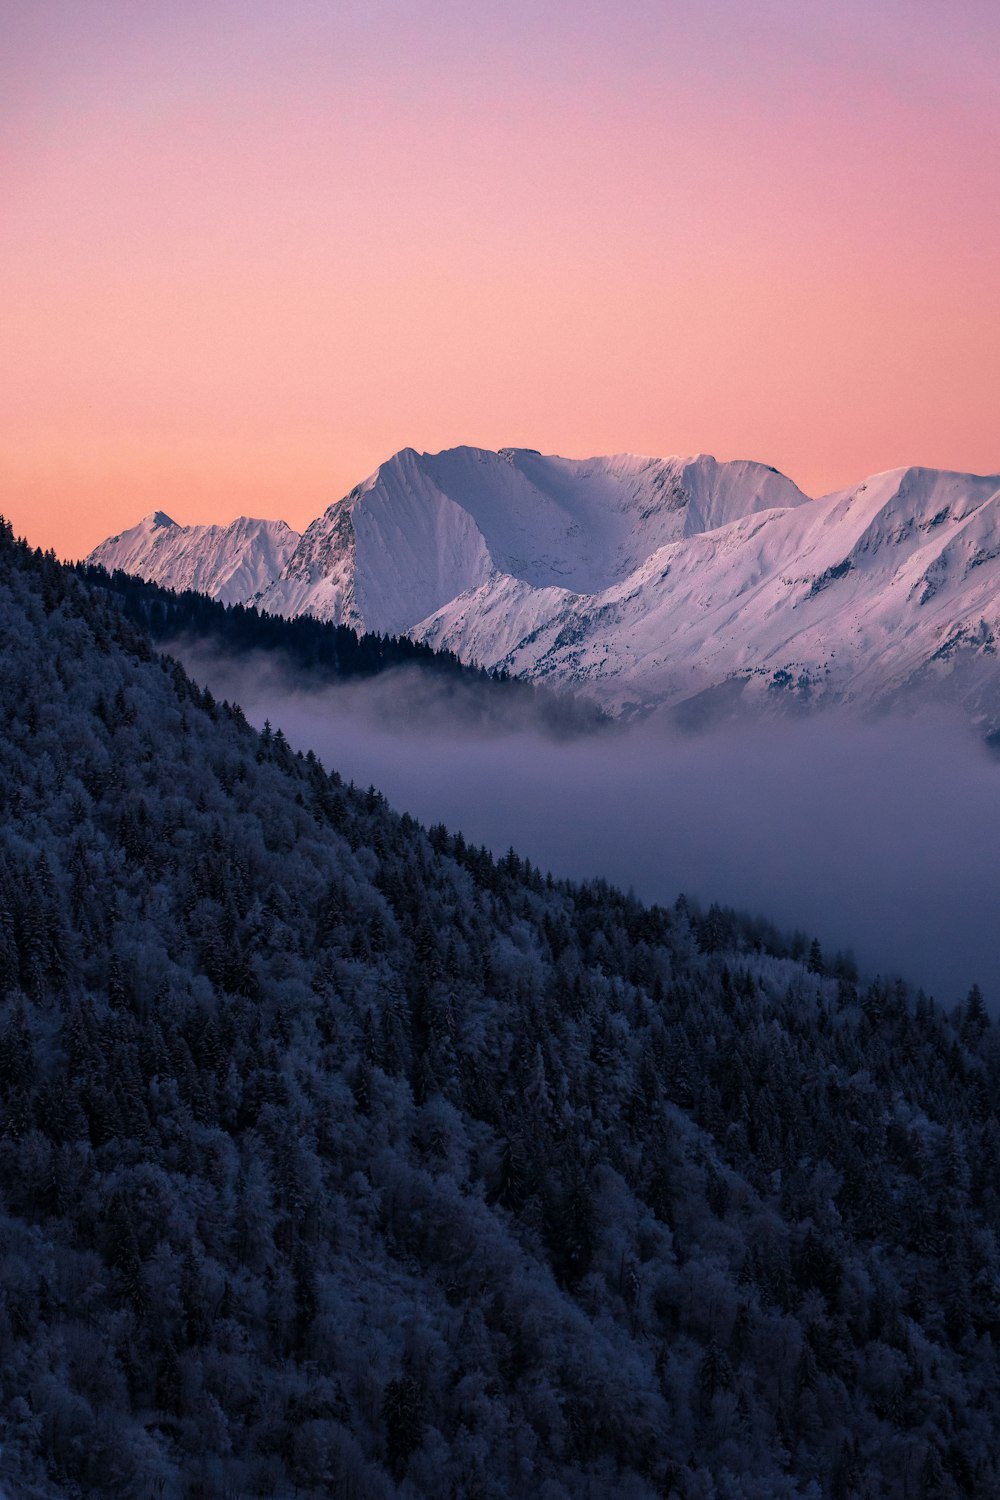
(682, 583)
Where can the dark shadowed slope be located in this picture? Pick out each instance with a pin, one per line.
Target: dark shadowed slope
(339, 1158)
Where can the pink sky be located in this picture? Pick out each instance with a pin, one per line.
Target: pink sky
(249, 251)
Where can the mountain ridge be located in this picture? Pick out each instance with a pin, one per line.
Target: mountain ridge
(648, 583)
(230, 563)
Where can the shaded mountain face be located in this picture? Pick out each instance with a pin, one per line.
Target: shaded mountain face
(684, 584)
(339, 1157)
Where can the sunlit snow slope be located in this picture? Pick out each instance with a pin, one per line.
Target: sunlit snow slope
(232, 563)
(679, 582)
(425, 528)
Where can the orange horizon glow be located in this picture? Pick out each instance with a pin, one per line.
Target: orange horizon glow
(244, 259)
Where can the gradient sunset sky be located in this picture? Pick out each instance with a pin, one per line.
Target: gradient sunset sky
(248, 250)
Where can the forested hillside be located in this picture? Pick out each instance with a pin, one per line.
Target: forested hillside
(340, 1159)
(316, 653)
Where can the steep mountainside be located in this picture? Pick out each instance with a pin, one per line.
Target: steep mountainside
(682, 583)
(864, 596)
(427, 527)
(339, 1158)
(231, 563)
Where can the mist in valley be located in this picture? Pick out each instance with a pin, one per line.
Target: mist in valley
(878, 837)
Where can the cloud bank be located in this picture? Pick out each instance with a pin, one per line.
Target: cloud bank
(882, 838)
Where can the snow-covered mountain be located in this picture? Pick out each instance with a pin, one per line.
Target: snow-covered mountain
(426, 528)
(867, 595)
(232, 563)
(685, 583)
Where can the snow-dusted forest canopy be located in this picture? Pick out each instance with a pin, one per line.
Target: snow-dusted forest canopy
(339, 1158)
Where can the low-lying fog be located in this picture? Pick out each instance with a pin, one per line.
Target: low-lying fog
(879, 838)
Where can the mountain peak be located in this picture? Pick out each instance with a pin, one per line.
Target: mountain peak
(231, 563)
